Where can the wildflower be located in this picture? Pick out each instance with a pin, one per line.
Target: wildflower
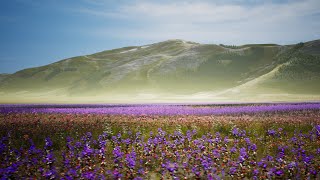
(127, 141)
(271, 132)
(141, 171)
(216, 153)
(48, 143)
(117, 174)
(88, 175)
(269, 158)
(233, 150)
(138, 178)
(49, 159)
(226, 140)
(262, 164)
(87, 150)
(247, 140)
(253, 147)
(195, 171)
(117, 152)
(307, 159)
(313, 172)
(232, 170)
(171, 167)
(50, 174)
(279, 172)
(243, 152)
(131, 160)
(235, 131)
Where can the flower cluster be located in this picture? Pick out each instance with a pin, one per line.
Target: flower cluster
(239, 141)
(160, 109)
(166, 155)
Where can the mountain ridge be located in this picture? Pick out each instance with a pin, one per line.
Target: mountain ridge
(174, 68)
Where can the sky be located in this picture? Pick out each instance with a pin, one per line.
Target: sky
(38, 32)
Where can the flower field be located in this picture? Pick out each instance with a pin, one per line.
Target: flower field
(218, 109)
(233, 141)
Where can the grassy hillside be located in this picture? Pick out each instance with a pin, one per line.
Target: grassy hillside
(3, 76)
(297, 71)
(175, 68)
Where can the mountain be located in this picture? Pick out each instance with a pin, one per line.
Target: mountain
(3, 76)
(174, 70)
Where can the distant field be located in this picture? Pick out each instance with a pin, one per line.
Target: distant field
(160, 141)
(159, 109)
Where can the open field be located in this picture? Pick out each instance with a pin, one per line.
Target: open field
(198, 141)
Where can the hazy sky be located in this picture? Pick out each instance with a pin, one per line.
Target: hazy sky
(38, 32)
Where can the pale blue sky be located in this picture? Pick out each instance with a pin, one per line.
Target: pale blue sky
(35, 33)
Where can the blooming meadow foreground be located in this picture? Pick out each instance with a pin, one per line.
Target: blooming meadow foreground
(234, 141)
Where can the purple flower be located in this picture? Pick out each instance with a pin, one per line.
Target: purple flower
(243, 152)
(131, 159)
(216, 153)
(88, 175)
(127, 141)
(233, 150)
(253, 147)
(141, 171)
(317, 130)
(271, 172)
(87, 151)
(102, 143)
(307, 159)
(89, 135)
(232, 170)
(78, 145)
(50, 174)
(117, 155)
(11, 169)
(241, 159)
(262, 164)
(282, 148)
(138, 178)
(294, 140)
(292, 165)
(279, 172)
(195, 171)
(247, 140)
(171, 167)
(117, 174)
(226, 140)
(48, 143)
(235, 131)
(49, 159)
(269, 158)
(72, 172)
(313, 172)
(271, 132)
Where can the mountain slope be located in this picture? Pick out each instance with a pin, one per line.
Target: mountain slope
(3, 76)
(298, 72)
(174, 68)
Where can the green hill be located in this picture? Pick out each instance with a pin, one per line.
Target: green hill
(174, 70)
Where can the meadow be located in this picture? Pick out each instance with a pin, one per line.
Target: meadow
(160, 141)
